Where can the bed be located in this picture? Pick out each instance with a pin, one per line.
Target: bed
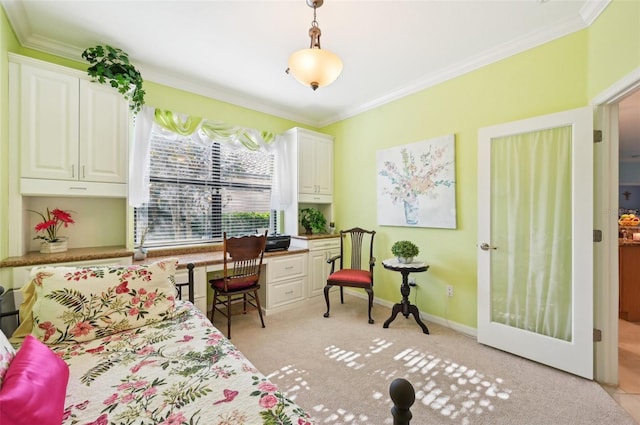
(134, 354)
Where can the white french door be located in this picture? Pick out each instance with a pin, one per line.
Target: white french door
(535, 239)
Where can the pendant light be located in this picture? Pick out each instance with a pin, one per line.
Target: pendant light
(314, 67)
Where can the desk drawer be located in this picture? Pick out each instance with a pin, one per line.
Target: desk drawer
(328, 243)
(285, 292)
(285, 267)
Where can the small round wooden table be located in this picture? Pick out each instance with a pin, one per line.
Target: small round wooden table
(404, 306)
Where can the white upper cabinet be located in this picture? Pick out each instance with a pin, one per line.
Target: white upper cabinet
(310, 155)
(103, 134)
(314, 165)
(72, 133)
(49, 117)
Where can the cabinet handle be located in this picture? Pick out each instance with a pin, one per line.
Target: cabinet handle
(73, 171)
(77, 188)
(83, 176)
(288, 268)
(288, 293)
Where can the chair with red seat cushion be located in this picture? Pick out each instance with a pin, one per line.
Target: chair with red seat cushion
(359, 274)
(241, 276)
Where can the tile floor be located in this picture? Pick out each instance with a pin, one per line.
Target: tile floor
(627, 394)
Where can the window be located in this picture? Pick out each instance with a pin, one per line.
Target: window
(200, 189)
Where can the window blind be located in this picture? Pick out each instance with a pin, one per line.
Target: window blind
(201, 188)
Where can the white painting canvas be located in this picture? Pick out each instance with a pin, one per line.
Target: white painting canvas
(416, 184)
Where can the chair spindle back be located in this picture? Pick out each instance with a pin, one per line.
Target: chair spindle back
(247, 253)
(357, 236)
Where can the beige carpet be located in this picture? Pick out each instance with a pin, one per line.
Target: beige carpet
(340, 368)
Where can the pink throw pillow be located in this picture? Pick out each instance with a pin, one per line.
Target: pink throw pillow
(34, 387)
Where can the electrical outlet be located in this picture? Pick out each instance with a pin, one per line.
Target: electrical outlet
(449, 291)
(412, 281)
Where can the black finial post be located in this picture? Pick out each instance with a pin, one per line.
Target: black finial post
(403, 396)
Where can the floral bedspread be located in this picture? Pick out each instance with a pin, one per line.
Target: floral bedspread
(178, 371)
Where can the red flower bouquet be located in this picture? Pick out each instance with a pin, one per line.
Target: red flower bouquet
(51, 223)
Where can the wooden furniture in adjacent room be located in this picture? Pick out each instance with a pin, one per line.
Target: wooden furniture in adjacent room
(405, 307)
(351, 272)
(241, 276)
(629, 281)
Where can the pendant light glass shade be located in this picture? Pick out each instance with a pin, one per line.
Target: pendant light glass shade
(315, 67)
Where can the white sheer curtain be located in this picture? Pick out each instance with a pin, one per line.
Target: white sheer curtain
(531, 224)
(281, 191)
(139, 158)
(205, 131)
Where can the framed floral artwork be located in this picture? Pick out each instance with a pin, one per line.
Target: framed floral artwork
(416, 184)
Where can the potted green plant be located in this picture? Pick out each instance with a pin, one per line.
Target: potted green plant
(111, 65)
(405, 251)
(312, 220)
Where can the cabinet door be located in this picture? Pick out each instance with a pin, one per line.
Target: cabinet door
(319, 269)
(48, 124)
(318, 272)
(324, 166)
(306, 164)
(103, 134)
(330, 253)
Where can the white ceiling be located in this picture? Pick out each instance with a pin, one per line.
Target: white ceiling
(237, 51)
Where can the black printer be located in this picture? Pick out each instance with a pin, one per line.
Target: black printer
(277, 242)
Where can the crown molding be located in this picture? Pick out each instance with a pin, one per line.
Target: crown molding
(590, 11)
(17, 18)
(504, 51)
(234, 98)
(618, 90)
(20, 23)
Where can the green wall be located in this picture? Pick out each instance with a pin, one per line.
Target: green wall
(614, 45)
(546, 79)
(559, 75)
(8, 42)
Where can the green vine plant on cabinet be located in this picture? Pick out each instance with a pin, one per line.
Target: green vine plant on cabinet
(111, 65)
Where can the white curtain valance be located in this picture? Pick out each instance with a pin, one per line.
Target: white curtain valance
(204, 131)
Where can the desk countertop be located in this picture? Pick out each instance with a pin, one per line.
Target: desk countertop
(73, 254)
(212, 257)
(316, 236)
(197, 256)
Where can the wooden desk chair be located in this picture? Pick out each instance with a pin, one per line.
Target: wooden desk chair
(241, 276)
(360, 273)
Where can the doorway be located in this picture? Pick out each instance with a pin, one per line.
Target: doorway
(629, 201)
(606, 259)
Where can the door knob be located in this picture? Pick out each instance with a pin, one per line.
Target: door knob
(486, 247)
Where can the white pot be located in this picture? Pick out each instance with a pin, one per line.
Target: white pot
(53, 247)
(405, 260)
(140, 254)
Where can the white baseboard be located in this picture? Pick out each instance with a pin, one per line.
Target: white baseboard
(458, 327)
